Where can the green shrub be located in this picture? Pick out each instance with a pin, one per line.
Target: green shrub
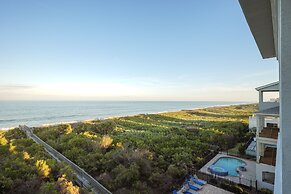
(106, 127)
(232, 188)
(241, 149)
(265, 191)
(213, 181)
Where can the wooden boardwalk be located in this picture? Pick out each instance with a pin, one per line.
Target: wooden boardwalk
(83, 177)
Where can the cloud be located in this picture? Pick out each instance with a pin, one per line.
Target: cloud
(15, 87)
(257, 74)
(138, 89)
(16, 91)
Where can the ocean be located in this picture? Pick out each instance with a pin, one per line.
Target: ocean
(14, 113)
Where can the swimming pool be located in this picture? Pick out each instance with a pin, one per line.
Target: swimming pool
(228, 164)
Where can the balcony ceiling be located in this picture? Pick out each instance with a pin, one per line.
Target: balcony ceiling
(258, 14)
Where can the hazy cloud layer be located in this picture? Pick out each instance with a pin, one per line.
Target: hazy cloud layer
(144, 89)
(15, 87)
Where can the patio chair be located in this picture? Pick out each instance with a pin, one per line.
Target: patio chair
(192, 182)
(200, 180)
(196, 181)
(195, 188)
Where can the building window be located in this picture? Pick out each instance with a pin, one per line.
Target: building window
(269, 177)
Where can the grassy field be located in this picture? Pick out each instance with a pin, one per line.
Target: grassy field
(149, 153)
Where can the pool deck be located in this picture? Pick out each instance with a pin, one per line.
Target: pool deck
(246, 178)
(207, 189)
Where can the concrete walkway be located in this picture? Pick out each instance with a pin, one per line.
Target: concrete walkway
(210, 189)
(207, 189)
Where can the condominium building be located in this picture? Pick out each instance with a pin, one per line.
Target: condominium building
(270, 24)
(267, 129)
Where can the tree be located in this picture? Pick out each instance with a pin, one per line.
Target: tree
(43, 168)
(104, 127)
(67, 187)
(49, 188)
(241, 149)
(3, 140)
(5, 184)
(65, 128)
(106, 141)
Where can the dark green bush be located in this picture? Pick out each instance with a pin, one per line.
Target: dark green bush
(232, 188)
(213, 181)
(241, 149)
(265, 191)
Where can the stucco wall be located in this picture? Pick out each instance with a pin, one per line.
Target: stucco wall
(260, 168)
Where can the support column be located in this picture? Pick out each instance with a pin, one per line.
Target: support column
(260, 124)
(261, 99)
(285, 92)
(258, 151)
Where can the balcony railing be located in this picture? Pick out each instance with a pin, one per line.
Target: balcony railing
(267, 105)
(269, 156)
(269, 132)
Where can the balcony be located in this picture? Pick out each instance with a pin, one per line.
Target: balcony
(269, 156)
(268, 105)
(269, 132)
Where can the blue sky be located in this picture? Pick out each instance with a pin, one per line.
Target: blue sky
(129, 50)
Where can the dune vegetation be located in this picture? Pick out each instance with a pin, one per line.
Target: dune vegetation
(25, 167)
(149, 153)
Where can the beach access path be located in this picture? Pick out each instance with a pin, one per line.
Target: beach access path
(83, 177)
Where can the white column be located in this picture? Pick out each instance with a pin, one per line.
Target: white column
(258, 151)
(261, 99)
(260, 123)
(285, 92)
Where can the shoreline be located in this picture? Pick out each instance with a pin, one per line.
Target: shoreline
(119, 116)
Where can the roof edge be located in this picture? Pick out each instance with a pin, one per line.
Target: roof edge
(267, 85)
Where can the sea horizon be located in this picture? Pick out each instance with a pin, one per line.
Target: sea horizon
(41, 113)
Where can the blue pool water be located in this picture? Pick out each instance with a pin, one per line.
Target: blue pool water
(229, 164)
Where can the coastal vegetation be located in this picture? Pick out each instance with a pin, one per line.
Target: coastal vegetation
(25, 167)
(149, 153)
